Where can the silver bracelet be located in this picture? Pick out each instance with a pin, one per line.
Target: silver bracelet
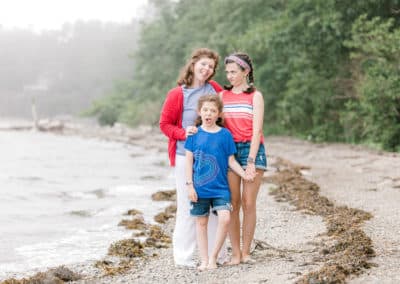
(250, 160)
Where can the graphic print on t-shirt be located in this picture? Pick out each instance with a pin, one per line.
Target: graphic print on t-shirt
(208, 168)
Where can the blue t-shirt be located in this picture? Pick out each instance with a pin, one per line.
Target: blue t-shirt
(211, 151)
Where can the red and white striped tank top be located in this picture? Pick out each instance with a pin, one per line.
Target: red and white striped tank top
(238, 115)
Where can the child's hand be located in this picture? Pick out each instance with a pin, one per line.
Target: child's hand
(250, 175)
(192, 194)
(190, 130)
(249, 178)
(250, 171)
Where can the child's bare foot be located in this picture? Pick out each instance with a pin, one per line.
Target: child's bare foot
(202, 266)
(212, 264)
(248, 260)
(235, 260)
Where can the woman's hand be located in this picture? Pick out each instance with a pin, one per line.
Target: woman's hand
(190, 130)
(248, 178)
(192, 194)
(250, 171)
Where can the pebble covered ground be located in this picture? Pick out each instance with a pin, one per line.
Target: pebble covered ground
(284, 249)
(289, 240)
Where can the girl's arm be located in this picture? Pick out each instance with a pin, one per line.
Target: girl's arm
(258, 119)
(189, 176)
(235, 166)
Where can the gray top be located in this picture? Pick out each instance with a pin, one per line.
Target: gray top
(190, 98)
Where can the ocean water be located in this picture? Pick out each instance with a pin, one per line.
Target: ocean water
(62, 197)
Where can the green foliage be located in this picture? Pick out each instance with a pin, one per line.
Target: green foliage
(304, 49)
(376, 53)
(106, 111)
(109, 109)
(146, 112)
(301, 53)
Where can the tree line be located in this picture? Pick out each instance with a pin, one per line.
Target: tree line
(66, 69)
(329, 69)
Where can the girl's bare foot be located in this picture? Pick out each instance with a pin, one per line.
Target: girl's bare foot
(212, 264)
(202, 266)
(248, 260)
(235, 260)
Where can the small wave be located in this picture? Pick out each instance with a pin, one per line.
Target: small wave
(93, 194)
(99, 193)
(81, 213)
(151, 177)
(136, 189)
(27, 178)
(94, 244)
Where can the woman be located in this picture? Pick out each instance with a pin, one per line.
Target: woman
(177, 121)
(244, 115)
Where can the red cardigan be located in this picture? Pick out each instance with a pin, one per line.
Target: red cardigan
(171, 118)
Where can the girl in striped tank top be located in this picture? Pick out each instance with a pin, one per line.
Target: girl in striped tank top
(244, 115)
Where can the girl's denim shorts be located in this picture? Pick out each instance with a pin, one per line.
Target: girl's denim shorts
(203, 205)
(243, 149)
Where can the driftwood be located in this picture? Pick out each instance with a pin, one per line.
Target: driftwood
(34, 114)
(40, 125)
(50, 125)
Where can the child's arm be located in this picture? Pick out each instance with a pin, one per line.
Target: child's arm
(189, 176)
(235, 166)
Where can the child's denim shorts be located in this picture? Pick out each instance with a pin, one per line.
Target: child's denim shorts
(243, 149)
(203, 205)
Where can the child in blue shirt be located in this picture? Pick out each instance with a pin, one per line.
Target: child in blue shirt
(209, 154)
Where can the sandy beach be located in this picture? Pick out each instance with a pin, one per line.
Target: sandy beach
(295, 239)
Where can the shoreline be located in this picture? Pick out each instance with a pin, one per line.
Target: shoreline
(118, 134)
(289, 238)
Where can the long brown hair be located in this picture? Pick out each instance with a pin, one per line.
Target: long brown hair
(212, 99)
(250, 77)
(186, 75)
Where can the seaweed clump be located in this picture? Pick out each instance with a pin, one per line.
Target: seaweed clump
(145, 238)
(168, 213)
(165, 195)
(58, 275)
(348, 249)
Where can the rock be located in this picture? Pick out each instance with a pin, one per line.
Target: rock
(167, 195)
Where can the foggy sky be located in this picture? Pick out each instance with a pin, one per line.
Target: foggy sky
(51, 14)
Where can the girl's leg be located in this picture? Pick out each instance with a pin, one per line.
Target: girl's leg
(249, 199)
(184, 236)
(202, 240)
(222, 230)
(234, 225)
(212, 233)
